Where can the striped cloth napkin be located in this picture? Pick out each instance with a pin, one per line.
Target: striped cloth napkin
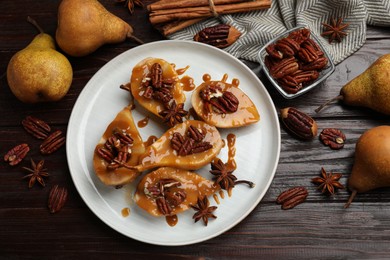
(259, 27)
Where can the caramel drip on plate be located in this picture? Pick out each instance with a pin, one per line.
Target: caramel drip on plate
(231, 141)
(221, 194)
(216, 199)
(172, 220)
(151, 139)
(188, 83)
(143, 122)
(125, 212)
(181, 71)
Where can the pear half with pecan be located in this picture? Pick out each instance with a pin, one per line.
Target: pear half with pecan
(118, 151)
(189, 145)
(168, 191)
(155, 85)
(223, 104)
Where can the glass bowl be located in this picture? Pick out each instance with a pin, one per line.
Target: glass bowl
(323, 74)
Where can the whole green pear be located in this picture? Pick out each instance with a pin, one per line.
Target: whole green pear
(85, 25)
(39, 73)
(371, 168)
(370, 89)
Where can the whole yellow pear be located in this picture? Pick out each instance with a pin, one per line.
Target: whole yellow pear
(39, 73)
(85, 25)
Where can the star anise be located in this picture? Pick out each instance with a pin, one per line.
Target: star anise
(173, 113)
(37, 173)
(130, 4)
(334, 30)
(328, 182)
(204, 211)
(224, 176)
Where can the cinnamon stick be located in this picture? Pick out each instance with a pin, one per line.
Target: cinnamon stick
(164, 4)
(165, 16)
(177, 26)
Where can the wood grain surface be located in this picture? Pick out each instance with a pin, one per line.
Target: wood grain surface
(318, 228)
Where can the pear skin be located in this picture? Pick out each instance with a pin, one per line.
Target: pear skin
(122, 175)
(370, 89)
(39, 73)
(85, 25)
(371, 168)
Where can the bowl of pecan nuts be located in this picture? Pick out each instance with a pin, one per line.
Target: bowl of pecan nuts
(295, 62)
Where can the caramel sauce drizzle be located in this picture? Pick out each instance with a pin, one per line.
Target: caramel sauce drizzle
(172, 220)
(231, 141)
(221, 194)
(188, 83)
(216, 199)
(151, 139)
(125, 212)
(143, 122)
(181, 71)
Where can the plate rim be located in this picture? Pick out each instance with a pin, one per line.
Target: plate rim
(89, 203)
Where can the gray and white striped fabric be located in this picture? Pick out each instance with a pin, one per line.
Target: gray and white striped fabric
(259, 27)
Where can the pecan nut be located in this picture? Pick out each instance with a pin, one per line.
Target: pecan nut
(156, 75)
(57, 198)
(318, 64)
(195, 133)
(220, 36)
(16, 154)
(292, 197)
(305, 76)
(36, 127)
(299, 123)
(333, 138)
(287, 46)
(273, 52)
(284, 67)
(307, 53)
(163, 206)
(289, 84)
(300, 36)
(52, 143)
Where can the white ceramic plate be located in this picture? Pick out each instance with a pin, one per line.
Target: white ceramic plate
(257, 146)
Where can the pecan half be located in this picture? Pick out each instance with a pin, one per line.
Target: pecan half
(220, 36)
(307, 53)
(292, 197)
(195, 133)
(16, 154)
(305, 76)
(156, 75)
(273, 52)
(52, 143)
(300, 36)
(57, 198)
(284, 67)
(318, 64)
(163, 206)
(333, 138)
(290, 84)
(221, 102)
(299, 123)
(287, 46)
(36, 127)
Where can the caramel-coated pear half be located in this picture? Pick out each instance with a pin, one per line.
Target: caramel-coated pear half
(142, 73)
(246, 112)
(161, 153)
(190, 185)
(121, 175)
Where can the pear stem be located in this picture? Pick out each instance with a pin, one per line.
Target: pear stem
(137, 40)
(339, 97)
(354, 192)
(33, 22)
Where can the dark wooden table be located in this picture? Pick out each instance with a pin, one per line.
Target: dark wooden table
(318, 228)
